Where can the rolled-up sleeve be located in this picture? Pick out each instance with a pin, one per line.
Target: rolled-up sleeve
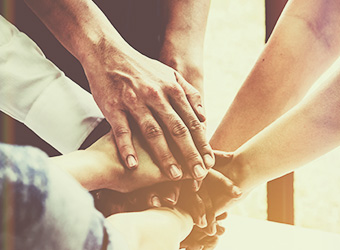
(35, 92)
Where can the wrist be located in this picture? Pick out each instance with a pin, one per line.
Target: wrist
(187, 60)
(239, 171)
(182, 51)
(108, 48)
(86, 167)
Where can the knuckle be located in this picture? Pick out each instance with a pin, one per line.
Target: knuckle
(130, 97)
(204, 146)
(165, 158)
(121, 131)
(194, 94)
(153, 94)
(179, 129)
(110, 104)
(192, 156)
(175, 90)
(153, 131)
(120, 78)
(195, 125)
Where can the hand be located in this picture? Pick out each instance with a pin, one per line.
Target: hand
(198, 238)
(109, 172)
(100, 167)
(153, 228)
(110, 202)
(132, 84)
(222, 189)
(216, 194)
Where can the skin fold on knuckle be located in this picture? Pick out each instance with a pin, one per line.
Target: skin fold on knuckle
(130, 98)
(179, 129)
(166, 158)
(121, 131)
(154, 95)
(175, 90)
(195, 96)
(192, 156)
(195, 125)
(205, 148)
(152, 131)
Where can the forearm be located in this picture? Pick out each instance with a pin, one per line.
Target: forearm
(80, 26)
(100, 166)
(303, 45)
(87, 168)
(306, 132)
(185, 24)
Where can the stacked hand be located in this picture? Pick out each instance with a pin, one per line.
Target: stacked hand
(160, 102)
(206, 206)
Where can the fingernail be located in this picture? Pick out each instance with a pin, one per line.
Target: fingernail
(200, 109)
(175, 172)
(236, 191)
(131, 161)
(208, 160)
(171, 198)
(199, 171)
(156, 202)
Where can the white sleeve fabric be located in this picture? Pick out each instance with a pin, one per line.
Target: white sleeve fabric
(35, 92)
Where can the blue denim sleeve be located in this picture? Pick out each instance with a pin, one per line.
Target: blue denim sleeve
(42, 207)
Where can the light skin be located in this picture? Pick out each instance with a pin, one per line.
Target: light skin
(304, 133)
(126, 84)
(99, 167)
(316, 116)
(153, 228)
(303, 45)
(185, 24)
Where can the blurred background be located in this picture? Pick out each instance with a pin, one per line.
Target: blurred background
(235, 36)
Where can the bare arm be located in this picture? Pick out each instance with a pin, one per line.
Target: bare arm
(304, 133)
(185, 26)
(303, 45)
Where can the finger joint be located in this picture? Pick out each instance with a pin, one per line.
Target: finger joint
(121, 131)
(179, 130)
(153, 131)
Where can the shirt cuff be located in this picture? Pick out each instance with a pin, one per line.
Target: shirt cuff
(64, 115)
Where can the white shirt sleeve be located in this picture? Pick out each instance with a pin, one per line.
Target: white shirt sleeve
(35, 92)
